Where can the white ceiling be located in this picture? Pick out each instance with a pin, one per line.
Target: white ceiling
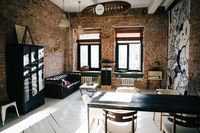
(73, 5)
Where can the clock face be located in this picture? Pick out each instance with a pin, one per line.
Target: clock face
(99, 9)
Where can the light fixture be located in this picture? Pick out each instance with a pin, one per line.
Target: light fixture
(63, 22)
(107, 8)
(79, 29)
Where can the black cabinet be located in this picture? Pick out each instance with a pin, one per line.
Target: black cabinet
(106, 76)
(25, 81)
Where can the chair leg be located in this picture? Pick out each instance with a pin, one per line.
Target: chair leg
(160, 119)
(153, 116)
(133, 125)
(3, 115)
(161, 114)
(80, 91)
(106, 122)
(16, 109)
(174, 125)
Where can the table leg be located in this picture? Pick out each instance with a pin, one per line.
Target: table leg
(161, 114)
(95, 90)
(80, 91)
(88, 118)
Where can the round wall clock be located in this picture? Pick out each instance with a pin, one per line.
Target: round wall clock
(99, 9)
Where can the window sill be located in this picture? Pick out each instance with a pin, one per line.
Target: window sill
(115, 74)
(90, 73)
(129, 74)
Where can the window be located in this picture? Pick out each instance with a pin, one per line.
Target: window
(129, 50)
(89, 51)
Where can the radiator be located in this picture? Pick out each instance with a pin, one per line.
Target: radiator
(127, 81)
(86, 79)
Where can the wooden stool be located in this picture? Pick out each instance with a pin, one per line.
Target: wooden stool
(4, 106)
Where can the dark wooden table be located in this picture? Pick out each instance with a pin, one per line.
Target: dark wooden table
(151, 103)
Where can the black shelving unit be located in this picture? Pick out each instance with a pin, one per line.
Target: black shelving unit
(25, 80)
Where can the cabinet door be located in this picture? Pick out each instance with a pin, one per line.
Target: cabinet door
(27, 89)
(26, 74)
(40, 52)
(40, 79)
(26, 56)
(40, 68)
(34, 69)
(34, 55)
(34, 83)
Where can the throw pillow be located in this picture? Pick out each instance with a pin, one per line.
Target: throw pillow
(65, 82)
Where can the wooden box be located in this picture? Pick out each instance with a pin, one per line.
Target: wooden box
(154, 75)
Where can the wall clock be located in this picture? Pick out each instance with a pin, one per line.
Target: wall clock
(99, 9)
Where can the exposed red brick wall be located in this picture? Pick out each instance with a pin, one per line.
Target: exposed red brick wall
(42, 17)
(155, 37)
(194, 58)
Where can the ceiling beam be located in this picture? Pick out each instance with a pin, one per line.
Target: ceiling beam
(153, 6)
(167, 3)
(174, 3)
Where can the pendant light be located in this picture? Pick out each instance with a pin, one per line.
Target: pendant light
(63, 22)
(79, 29)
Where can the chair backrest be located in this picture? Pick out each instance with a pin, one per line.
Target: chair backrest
(86, 99)
(185, 120)
(120, 116)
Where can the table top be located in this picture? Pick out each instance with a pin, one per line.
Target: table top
(151, 103)
(89, 85)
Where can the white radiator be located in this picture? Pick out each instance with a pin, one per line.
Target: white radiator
(127, 81)
(86, 79)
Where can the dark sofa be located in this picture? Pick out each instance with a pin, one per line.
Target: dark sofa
(62, 85)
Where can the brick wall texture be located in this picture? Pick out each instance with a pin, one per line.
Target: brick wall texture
(41, 16)
(194, 58)
(154, 42)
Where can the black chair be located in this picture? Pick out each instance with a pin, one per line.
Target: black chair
(119, 121)
(182, 123)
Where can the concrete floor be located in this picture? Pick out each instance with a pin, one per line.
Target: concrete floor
(65, 116)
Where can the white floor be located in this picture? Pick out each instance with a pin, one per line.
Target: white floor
(65, 116)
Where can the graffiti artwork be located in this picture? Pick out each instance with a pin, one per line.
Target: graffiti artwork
(178, 47)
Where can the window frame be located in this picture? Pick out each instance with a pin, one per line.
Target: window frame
(128, 30)
(89, 43)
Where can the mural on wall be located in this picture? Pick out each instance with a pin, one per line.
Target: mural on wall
(178, 47)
